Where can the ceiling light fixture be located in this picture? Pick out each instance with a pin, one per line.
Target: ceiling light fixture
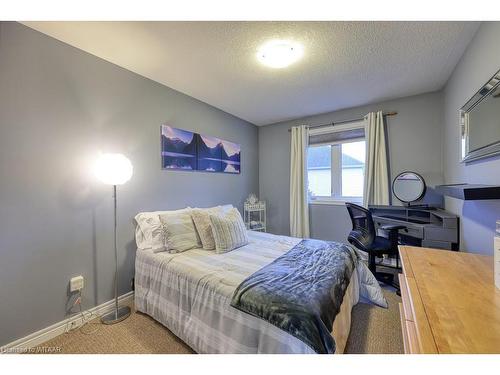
(279, 53)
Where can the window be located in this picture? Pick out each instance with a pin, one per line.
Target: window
(335, 170)
(319, 170)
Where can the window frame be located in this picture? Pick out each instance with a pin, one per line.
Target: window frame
(336, 158)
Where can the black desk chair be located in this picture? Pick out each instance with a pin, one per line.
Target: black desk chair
(364, 237)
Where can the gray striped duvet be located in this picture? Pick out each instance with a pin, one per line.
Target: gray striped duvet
(190, 293)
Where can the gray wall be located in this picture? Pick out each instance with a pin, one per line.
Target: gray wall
(479, 63)
(415, 143)
(59, 107)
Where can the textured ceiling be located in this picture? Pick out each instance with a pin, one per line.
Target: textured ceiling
(345, 64)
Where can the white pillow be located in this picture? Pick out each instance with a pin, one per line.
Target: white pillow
(180, 233)
(149, 230)
(226, 208)
(140, 238)
(229, 231)
(201, 218)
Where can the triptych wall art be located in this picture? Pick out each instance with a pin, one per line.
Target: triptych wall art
(185, 150)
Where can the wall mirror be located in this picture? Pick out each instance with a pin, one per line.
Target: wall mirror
(408, 187)
(480, 122)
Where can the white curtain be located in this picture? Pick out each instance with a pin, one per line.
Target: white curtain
(299, 209)
(376, 184)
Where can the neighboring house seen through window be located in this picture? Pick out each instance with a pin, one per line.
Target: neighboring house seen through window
(336, 169)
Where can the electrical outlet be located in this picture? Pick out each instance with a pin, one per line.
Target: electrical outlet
(76, 284)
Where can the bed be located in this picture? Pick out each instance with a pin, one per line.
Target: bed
(190, 293)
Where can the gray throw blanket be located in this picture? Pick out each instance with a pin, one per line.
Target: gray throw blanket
(301, 291)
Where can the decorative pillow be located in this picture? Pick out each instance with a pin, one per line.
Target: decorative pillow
(179, 232)
(149, 231)
(226, 208)
(201, 218)
(140, 238)
(229, 231)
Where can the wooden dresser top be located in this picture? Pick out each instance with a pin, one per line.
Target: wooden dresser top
(458, 296)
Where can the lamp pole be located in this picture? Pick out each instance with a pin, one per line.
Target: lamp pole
(116, 251)
(119, 313)
(114, 169)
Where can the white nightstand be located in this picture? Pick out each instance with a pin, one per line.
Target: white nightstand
(255, 216)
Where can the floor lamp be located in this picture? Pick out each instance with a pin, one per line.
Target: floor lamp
(114, 169)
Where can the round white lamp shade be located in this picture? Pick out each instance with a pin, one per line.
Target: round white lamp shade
(113, 169)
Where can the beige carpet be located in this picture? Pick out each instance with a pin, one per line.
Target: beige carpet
(374, 330)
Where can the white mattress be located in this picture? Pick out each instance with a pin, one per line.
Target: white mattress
(190, 294)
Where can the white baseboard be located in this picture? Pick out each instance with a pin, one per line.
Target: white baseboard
(46, 334)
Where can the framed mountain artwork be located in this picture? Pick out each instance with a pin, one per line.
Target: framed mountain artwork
(178, 149)
(230, 157)
(185, 150)
(209, 154)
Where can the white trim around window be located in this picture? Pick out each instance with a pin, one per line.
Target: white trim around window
(336, 182)
(337, 128)
(335, 201)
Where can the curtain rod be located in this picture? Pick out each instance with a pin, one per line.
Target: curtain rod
(346, 121)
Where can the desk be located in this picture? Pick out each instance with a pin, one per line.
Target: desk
(449, 302)
(425, 226)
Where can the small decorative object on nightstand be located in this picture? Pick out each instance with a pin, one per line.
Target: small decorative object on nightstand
(255, 214)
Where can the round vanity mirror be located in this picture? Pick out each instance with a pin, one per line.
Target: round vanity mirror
(408, 187)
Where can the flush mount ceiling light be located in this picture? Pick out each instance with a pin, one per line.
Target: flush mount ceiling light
(279, 53)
